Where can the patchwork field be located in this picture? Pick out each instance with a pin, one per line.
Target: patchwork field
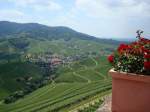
(77, 84)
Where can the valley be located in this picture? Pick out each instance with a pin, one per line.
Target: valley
(52, 69)
(79, 82)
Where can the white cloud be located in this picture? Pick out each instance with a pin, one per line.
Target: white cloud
(113, 8)
(50, 6)
(16, 16)
(101, 18)
(10, 14)
(38, 5)
(116, 17)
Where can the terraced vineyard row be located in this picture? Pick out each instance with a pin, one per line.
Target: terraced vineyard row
(72, 86)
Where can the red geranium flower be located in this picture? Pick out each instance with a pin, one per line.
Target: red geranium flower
(147, 56)
(130, 56)
(134, 43)
(147, 65)
(144, 40)
(123, 47)
(111, 58)
(145, 50)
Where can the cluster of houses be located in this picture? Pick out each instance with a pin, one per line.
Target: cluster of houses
(53, 60)
(46, 61)
(49, 61)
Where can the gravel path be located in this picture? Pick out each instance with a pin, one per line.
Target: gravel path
(106, 106)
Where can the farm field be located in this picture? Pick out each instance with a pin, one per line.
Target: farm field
(78, 83)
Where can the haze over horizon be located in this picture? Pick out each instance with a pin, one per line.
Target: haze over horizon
(100, 18)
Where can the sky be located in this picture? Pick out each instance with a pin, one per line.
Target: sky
(100, 18)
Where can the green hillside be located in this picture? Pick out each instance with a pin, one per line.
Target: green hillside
(9, 72)
(36, 38)
(61, 47)
(76, 84)
(38, 31)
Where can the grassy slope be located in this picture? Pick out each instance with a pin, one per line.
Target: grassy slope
(9, 72)
(66, 89)
(74, 46)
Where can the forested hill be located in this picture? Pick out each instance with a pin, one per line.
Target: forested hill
(39, 31)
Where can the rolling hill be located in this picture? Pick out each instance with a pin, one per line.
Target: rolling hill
(79, 83)
(36, 38)
(73, 88)
(39, 31)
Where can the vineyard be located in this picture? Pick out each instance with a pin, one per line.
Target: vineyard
(77, 84)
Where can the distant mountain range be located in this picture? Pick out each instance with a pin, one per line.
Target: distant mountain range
(37, 38)
(39, 31)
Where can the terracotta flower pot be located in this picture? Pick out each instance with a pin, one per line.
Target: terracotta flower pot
(130, 92)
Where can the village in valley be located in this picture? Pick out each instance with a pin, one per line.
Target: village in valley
(51, 60)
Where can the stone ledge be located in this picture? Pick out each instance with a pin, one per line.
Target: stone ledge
(106, 106)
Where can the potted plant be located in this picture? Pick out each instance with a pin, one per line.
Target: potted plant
(131, 76)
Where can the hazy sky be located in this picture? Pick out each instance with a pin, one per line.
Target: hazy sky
(101, 18)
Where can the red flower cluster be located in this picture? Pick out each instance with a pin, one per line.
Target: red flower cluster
(147, 65)
(144, 41)
(123, 47)
(145, 50)
(111, 58)
(137, 54)
(135, 48)
(147, 56)
(147, 61)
